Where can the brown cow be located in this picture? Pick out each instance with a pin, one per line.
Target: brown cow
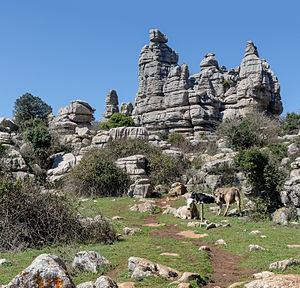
(228, 196)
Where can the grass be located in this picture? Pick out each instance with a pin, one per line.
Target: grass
(148, 246)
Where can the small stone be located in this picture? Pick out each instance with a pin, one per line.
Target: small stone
(117, 218)
(196, 224)
(255, 232)
(288, 245)
(204, 248)
(220, 242)
(169, 254)
(252, 248)
(167, 272)
(284, 264)
(226, 225)
(130, 231)
(263, 236)
(126, 285)
(4, 262)
(105, 282)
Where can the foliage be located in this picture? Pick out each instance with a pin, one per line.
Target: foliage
(226, 84)
(263, 175)
(161, 168)
(278, 151)
(30, 218)
(96, 176)
(162, 136)
(291, 123)
(227, 174)
(254, 129)
(28, 106)
(2, 150)
(176, 139)
(37, 134)
(117, 120)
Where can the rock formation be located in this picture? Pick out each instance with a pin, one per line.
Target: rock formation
(111, 104)
(169, 100)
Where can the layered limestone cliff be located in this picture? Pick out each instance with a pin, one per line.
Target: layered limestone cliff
(170, 100)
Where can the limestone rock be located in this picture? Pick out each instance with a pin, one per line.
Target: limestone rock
(5, 138)
(282, 216)
(111, 104)
(8, 124)
(263, 274)
(252, 248)
(89, 261)
(141, 267)
(167, 272)
(45, 270)
(4, 262)
(90, 284)
(147, 206)
(284, 264)
(131, 231)
(141, 188)
(13, 161)
(276, 281)
(126, 109)
(156, 36)
(188, 276)
(105, 282)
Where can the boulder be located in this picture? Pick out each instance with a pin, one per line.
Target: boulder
(45, 271)
(252, 248)
(141, 267)
(276, 281)
(147, 206)
(284, 264)
(111, 104)
(8, 124)
(89, 261)
(105, 282)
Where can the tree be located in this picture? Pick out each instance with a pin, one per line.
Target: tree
(28, 107)
(117, 120)
(291, 123)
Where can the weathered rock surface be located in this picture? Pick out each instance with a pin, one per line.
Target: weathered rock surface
(111, 104)
(105, 282)
(8, 124)
(89, 261)
(290, 196)
(276, 281)
(284, 264)
(171, 100)
(147, 206)
(141, 267)
(45, 271)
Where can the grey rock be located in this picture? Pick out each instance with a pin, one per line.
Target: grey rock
(13, 161)
(105, 282)
(111, 104)
(141, 267)
(89, 261)
(284, 264)
(90, 284)
(9, 124)
(147, 206)
(44, 269)
(4, 262)
(282, 216)
(5, 138)
(252, 248)
(156, 36)
(126, 109)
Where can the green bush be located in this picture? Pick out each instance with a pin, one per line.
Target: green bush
(97, 176)
(117, 120)
(291, 123)
(37, 134)
(161, 168)
(278, 151)
(28, 107)
(254, 129)
(263, 175)
(30, 218)
(176, 139)
(2, 150)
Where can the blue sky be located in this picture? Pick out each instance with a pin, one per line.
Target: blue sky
(63, 50)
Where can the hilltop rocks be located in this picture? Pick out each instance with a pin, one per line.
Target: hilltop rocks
(170, 100)
(275, 281)
(44, 271)
(111, 104)
(8, 124)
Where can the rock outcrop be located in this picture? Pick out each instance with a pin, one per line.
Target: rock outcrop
(169, 100)
(111, 104)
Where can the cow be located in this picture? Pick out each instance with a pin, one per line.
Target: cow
(203, 198)
(190, 211)
(228, 196)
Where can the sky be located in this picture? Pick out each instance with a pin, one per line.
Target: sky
(64, 50)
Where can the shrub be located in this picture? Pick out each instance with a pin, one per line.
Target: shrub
(278, 151)
(161, 168)
(291, 123)
(28, 106)
(255, 129)
(263, 175)
(30, 218)
(2, 150)
(96, 176)
(176, 139)
(117, 120)
(37, 134)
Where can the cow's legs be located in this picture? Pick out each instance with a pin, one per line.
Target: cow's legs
(227, 207)
(238, 202)
(220, 209)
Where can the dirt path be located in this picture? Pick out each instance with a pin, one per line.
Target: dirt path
(224, 264)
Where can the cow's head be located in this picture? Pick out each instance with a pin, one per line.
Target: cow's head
(218, 198)
(189, 203)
